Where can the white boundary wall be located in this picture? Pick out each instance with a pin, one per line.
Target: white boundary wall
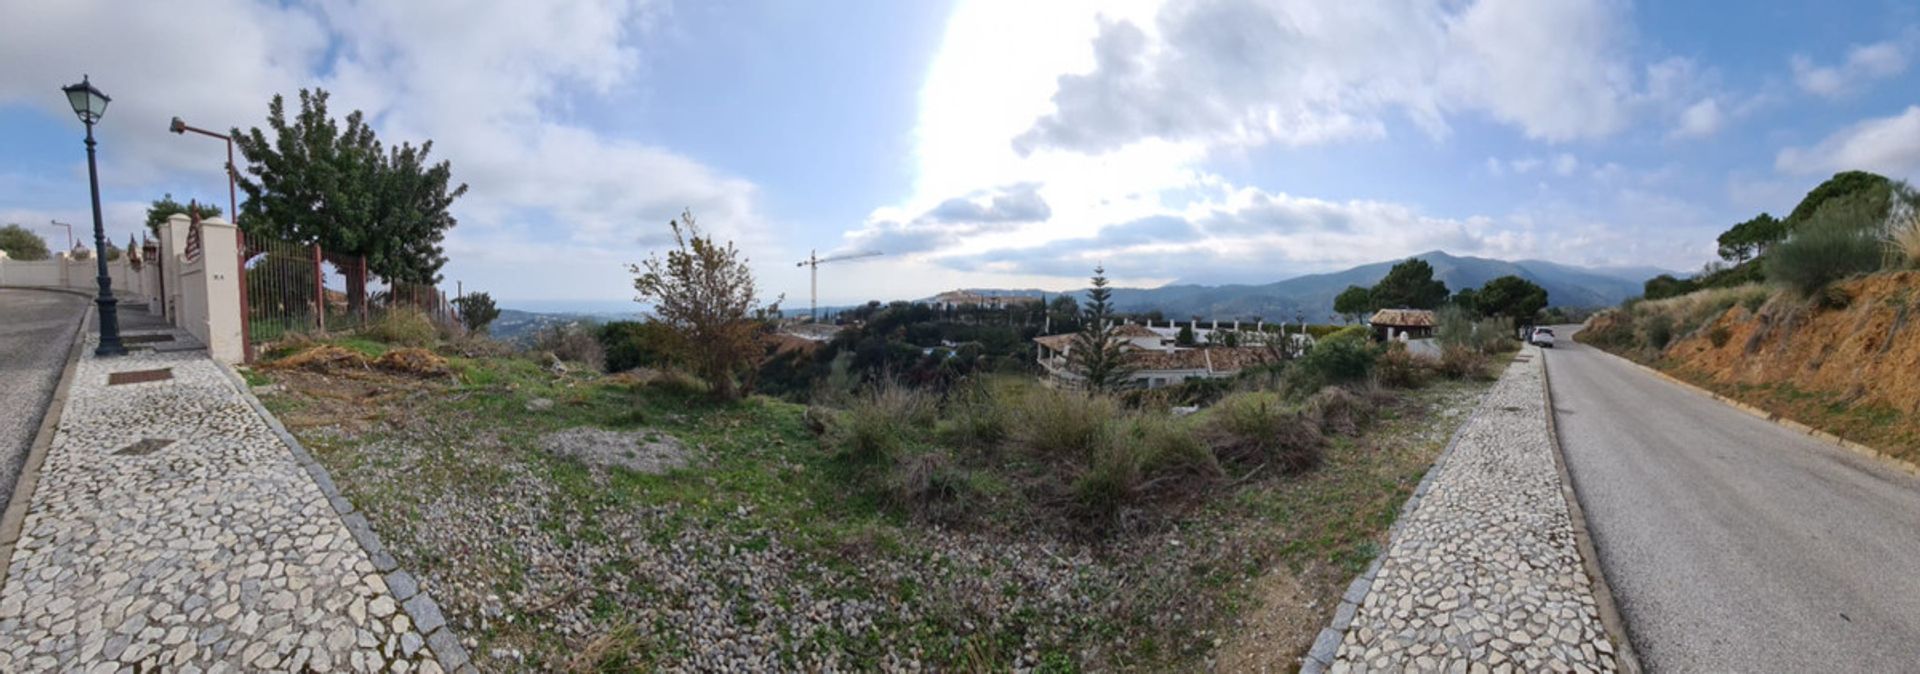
(201, 296)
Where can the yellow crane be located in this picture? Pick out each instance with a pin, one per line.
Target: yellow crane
(813, 263)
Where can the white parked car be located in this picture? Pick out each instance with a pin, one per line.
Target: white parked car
(1541, 337)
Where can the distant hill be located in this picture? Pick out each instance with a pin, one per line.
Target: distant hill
(1312, 295)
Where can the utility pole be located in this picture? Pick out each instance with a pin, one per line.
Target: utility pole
(813, 263)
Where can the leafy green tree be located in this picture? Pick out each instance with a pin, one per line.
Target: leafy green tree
(1354, 303)
(1097, 355)
(1751, 239)
(1185, 337)
(22, 244)
(1513, 297)
(704, 291)
(1665, 285)
(163, 207)
(1468, 299)
(476, 311)
(1409, 285)
(315, 182)
(1878, 191)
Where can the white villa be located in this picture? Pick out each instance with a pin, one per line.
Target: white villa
(1158, 362)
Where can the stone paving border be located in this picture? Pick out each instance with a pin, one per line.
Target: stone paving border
(16, 513)
(426, 614)
(1320, 656)
(1867, 451)
(1610, 618)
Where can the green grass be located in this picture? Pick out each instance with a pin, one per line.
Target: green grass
(762, 482)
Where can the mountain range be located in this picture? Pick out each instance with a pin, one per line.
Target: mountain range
(1312, 295)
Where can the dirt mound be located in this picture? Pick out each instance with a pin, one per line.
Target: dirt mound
(1867, 350)
(417, 362)
(323, 358)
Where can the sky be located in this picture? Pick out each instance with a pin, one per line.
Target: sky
(998, 143)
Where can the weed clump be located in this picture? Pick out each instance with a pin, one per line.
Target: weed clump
(402, 326)
(1257, 428)
(1339, 411)
(878, 425)
(1063, 425)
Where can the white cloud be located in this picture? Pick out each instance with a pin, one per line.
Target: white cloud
(1886, 145)
(489, 85)
(1864, 63)
(1243, 73)
(1700, 120)
(1565, 164)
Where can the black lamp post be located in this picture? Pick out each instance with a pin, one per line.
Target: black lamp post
(89, 103)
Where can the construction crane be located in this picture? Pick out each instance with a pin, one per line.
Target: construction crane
(813, 262)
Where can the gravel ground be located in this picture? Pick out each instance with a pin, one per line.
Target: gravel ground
(1484, 576)
(34, 339)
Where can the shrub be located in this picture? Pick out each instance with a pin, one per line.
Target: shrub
(631, 344)
(1337, 410)
(476, 311)
(1112, 479)
(572, 343)
(1334, 360)
(1659, 331)
(1461, 362)
(1840, 240)
(403, 327)
(1903, 236)
(1258, 428)
(1719, 335)
(928, 486)
(1063, 425)
(878, 425)
(975, 418)
(1171, 449)
(1399, 368)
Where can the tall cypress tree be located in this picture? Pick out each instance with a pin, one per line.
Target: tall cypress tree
(1097, 354)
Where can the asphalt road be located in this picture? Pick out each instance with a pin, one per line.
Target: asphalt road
(1732, 544)
(36, 330)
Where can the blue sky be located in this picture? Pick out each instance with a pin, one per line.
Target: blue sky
(1004, 143)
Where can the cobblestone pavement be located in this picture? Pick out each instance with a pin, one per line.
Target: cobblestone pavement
(1484, 575)
(215, 552)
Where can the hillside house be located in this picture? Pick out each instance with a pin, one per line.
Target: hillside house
(954, 299)
(1155, 359)
(1402, 324)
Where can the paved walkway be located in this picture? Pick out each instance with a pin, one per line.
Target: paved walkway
(213, 552)
(36, 328)
(1483, 575)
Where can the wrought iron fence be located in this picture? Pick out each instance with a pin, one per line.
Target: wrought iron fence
(293, 288)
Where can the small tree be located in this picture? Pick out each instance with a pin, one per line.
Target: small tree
(1185, 338)
(1354, 303)
(704, 291)
(476, 311)
(1097, 355)
(22, 244)
(164, 207)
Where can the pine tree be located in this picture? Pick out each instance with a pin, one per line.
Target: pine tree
(1097, 355)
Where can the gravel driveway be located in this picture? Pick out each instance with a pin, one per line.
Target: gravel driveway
(36, 329)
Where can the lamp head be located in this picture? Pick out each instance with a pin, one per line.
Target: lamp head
(178, 126)
(88, 102)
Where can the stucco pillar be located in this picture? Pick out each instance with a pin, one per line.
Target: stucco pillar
(220, 249)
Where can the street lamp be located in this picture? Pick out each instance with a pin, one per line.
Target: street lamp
(58, 223)
(181, 127)
(89, 104)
